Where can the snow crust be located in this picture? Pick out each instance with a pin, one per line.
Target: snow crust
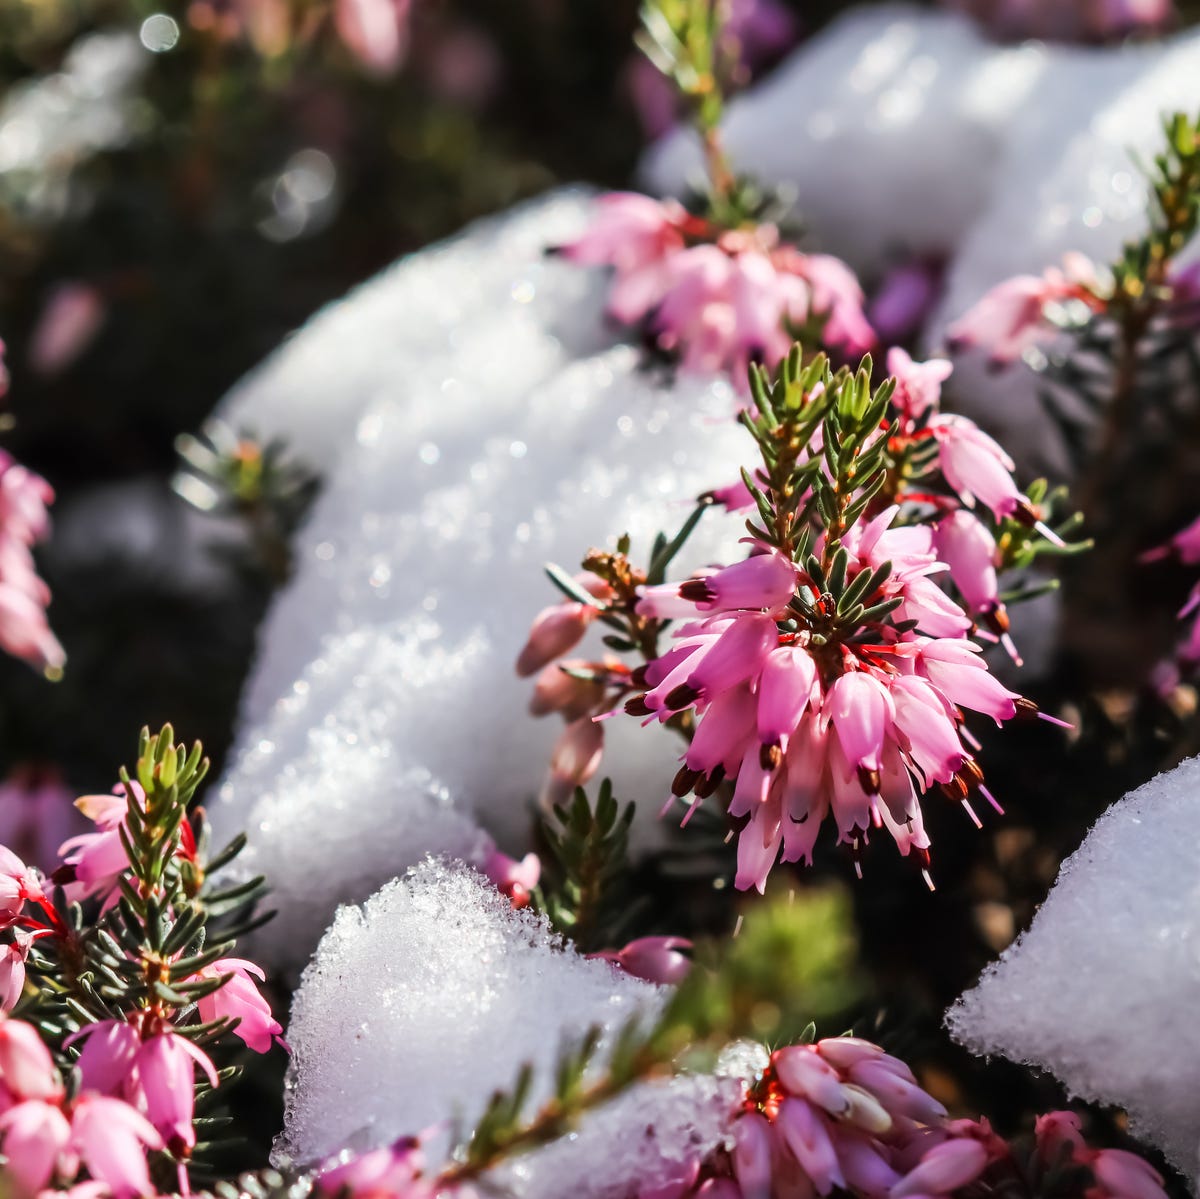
(469, 430)
(421, 1003)
(1102, 990)
(904, 132)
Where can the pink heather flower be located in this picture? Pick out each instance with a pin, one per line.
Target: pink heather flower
(512, 878)
(374, 31)
(918, 384)
(717, 299)
(108, 1136)
(162, 1085)
(68, 324)
(635, 235)
(112, 1138)
(856, 731)
(656, 959)
(12, 966)
(560, 627)
(26, 1067)
(239, 999)
(388, 1172)
(1185, 546)
(764, 580)
(106, 1061)
(18, 883)
(574, 760)
(1118, 1173)
(24, 631)
(942, 1170)
(975, 465)
(4, 378)
(98, 859)
(559, 690)
(1011, 317)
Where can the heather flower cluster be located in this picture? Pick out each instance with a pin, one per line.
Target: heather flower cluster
(826, 675)
(150, 997)
(836, 1116)
(717, 298)
(843, 1116)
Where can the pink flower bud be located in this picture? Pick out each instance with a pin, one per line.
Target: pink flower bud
(112, 1138)
(33, 1135)
(656, 959)
(514, 879)
(752, 1156)
(576, 757)
(26, 1067)
(808, 1137)
(1126, 1175)
(945, 1168)
(558, 691)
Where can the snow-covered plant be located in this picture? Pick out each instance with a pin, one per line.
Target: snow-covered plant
(118, 975)
(715, 285)
(826, 674)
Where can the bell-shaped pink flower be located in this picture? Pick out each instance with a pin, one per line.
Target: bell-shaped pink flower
(382, 1172)
(112, 1138)
(574, 760)
(559, 690)
(765, 580)
(163, 1085)
(26, 1068)
(12, 965)
(516, 879)
(975, 465)
(918, 384)
(1124, 1175)
(656, 959)
(18, 884)
(944, 1169)
(106, 1061)
(969, 549)
(34, 1135)
(860, 709)
(808, 1138)
(752, 1156)
(239, 999)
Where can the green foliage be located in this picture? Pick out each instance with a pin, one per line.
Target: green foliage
(139, 957)
(590, 847)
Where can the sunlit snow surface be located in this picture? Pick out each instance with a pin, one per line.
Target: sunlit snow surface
(472, 420)
(904, 131)
(419, 1005)
(1104, 987)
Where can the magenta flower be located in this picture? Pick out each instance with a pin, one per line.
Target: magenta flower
(512, 878)
(656, 959)
(26, 1068)
(718, 299)
(105, 1135)
(392, 1171)
(903, 301)
(1010, 318)
(12, 965)
(163, 1086)
(1118, 1174)
(98, 859)
(561, 688)
(918, 384)
(69, 322)
(239, 999)
(18, 884)
(856, 730)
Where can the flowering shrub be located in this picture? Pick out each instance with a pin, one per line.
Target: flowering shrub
(826, 674)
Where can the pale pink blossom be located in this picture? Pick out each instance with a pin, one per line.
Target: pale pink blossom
(573, 761)
(975, 465)
(560, 688)
(557, 629)
(13, 957)
(18, 884)
(1010, 318)
(656, 959)
(392, 1171)
(162, 1086)
(918, 384)
(513, 878)
(240, 999)
(26, 1068)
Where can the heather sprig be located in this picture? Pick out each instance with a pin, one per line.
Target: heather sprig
(827, 673)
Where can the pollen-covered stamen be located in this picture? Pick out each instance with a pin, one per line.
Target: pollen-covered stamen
(770, 756)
